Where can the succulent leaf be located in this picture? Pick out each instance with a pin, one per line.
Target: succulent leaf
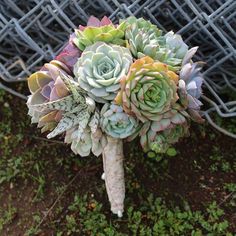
(190, 90)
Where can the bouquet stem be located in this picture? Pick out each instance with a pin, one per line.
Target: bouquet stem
(114, 174)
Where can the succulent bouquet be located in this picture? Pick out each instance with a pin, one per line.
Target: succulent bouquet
(113, 83)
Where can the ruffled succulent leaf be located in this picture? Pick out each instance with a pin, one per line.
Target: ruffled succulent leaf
(70, 120)
(63, 104)
(94, 122)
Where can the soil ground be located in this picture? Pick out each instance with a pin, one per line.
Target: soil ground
(46, 190)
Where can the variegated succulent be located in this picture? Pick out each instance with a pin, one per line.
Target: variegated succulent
(99, 31)
(116, 123)
(46, 85)
(78, 111)
(149, 90)
(100, 69)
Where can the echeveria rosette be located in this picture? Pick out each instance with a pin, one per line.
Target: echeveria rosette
(145, 39)
(100, 69)
(45, 86)
(99, 31)
(190, 90)
(160, 141)
(149, 90)
(116, 123)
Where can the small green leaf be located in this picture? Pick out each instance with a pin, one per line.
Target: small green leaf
(151, 154)
(171, 152)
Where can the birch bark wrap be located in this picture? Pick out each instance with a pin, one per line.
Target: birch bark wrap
(114, 174)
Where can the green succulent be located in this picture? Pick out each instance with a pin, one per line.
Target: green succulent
(142, 24)
(107, 33)
(159, 142)
(149, 90)
(100, 69)
(116, 123)
(145, 39)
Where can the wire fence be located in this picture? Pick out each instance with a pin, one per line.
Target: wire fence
(34, 31)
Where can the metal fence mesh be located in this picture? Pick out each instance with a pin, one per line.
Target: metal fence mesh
(34, 31)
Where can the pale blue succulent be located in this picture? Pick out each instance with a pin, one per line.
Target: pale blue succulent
(100, 69)
(116, 123)
(178, 48)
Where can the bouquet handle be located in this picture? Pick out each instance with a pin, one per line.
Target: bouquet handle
(114, 174)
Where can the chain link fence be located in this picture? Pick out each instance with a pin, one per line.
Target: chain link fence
(34, 31)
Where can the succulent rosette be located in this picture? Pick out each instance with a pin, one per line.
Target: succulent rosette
(112, 83)
(103, 31)
(145, 39)
(116, 123)
(149, 90)
(100, 69)
(46, 85)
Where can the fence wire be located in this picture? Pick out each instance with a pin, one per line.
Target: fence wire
(34, 31)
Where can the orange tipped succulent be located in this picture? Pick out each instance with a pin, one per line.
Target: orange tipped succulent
(149, 90)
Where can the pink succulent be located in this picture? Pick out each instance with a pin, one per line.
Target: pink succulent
(95, 22)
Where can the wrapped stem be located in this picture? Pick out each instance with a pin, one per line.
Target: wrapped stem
(114, 174)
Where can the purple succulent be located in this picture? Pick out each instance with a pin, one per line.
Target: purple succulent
(46, 85)
(190, 90)
(70, 53)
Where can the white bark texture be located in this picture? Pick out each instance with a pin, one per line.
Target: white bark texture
(114, 174)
